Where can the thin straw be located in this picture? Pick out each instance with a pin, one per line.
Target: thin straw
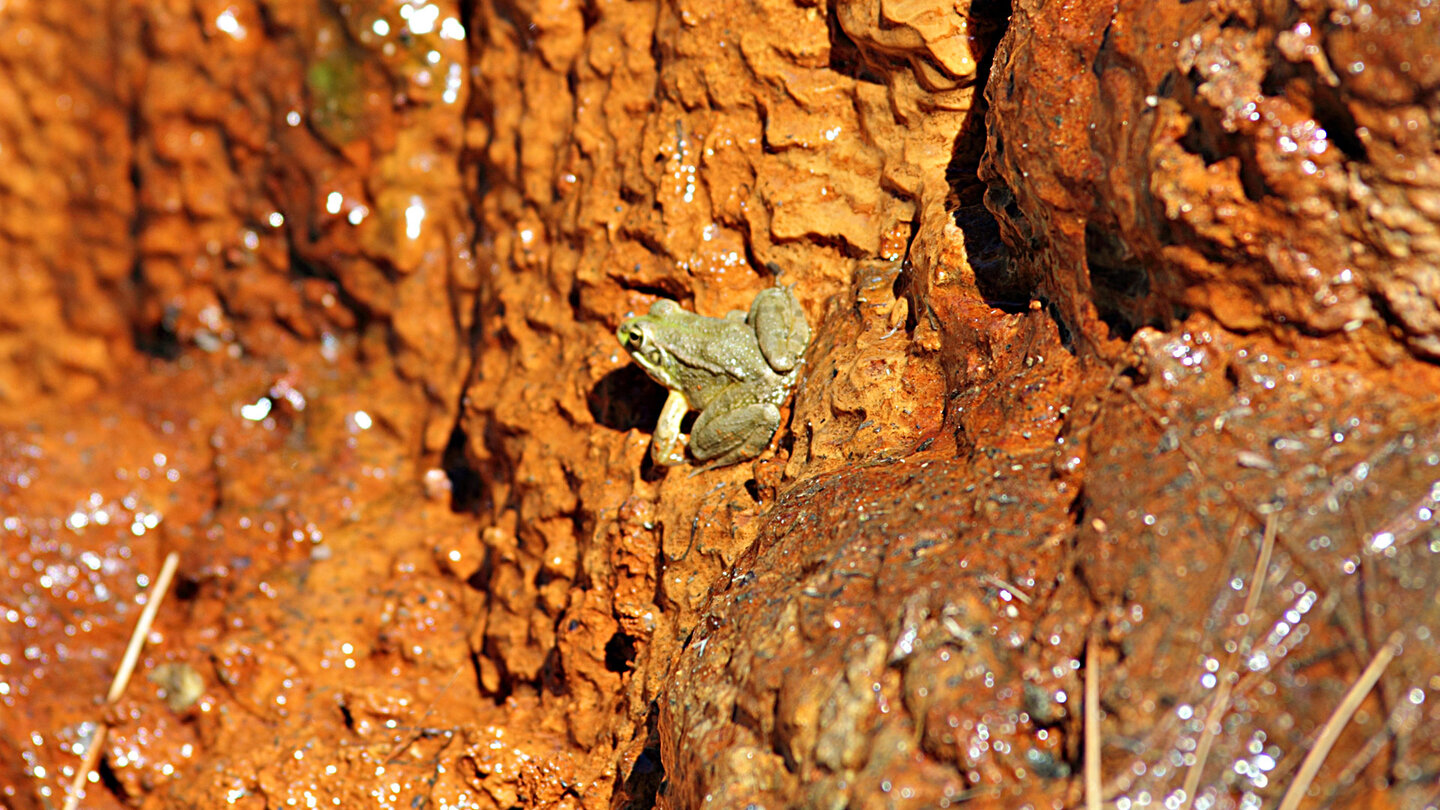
(122, 677)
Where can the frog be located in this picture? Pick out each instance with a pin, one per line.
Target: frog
(736, 371)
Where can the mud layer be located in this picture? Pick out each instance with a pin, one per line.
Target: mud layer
(1121, 397)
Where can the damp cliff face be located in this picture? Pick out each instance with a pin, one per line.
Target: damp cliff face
(1122, 379)
(1272, 168)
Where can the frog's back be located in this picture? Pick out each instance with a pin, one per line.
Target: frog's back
(708, 369)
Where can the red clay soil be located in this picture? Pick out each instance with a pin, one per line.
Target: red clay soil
(1124, 378)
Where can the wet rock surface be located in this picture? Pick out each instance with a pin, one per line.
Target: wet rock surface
(1122, 378)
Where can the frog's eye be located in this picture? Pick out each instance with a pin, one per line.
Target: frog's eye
(634, 339)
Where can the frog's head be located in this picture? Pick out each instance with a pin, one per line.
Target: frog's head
(642, 338)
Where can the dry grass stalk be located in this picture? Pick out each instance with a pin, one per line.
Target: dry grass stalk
(122, 677)
(1092, 729)
(1221, 701)
(997, 582)
(1342, 714)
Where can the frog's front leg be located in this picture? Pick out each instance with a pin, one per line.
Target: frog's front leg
(734, 428)
(666, 447)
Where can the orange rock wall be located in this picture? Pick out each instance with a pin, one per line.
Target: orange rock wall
(1122, 379)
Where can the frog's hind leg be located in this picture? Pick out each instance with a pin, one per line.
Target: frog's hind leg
(780, 326)
(729, 432)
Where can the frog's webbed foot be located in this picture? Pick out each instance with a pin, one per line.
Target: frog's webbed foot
(730, 435)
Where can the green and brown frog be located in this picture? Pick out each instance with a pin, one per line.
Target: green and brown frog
(736, 371)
